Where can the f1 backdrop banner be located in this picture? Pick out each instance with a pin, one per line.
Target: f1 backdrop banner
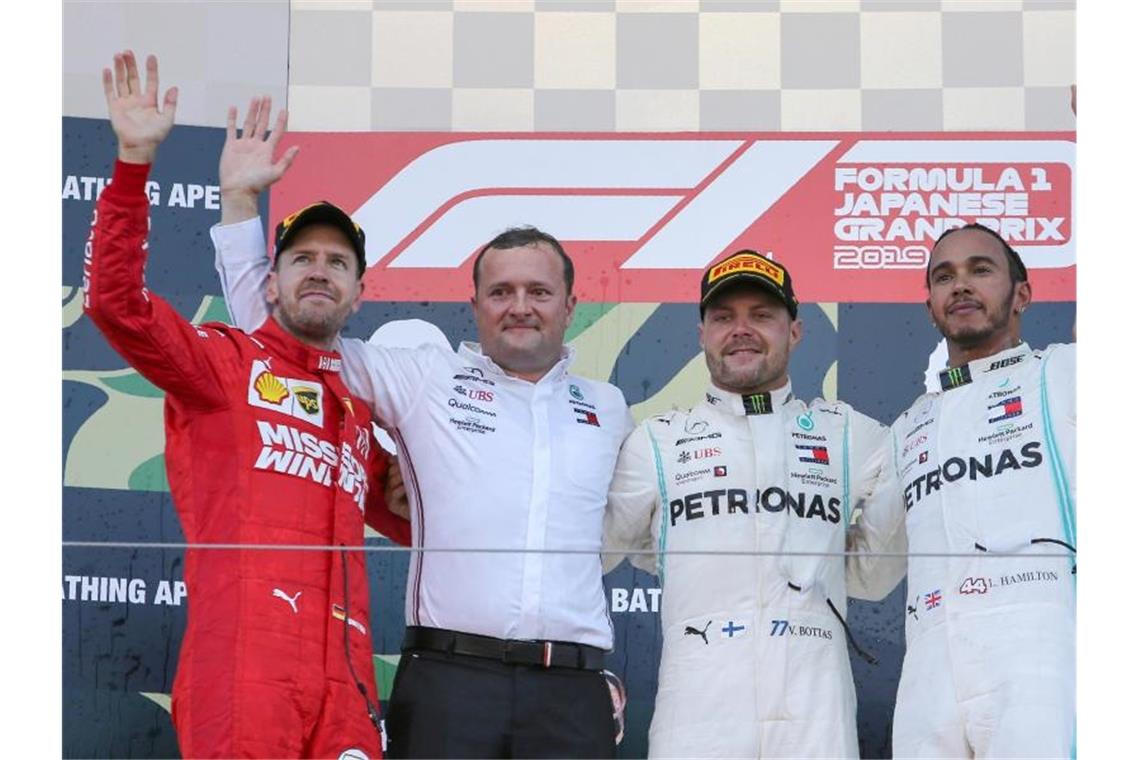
(851, 215)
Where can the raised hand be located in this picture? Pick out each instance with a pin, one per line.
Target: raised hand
(133, 108)
(246, 167)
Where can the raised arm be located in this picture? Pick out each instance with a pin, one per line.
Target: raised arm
(243, 269)
(388, 380)
(144, 329)
(245, 170)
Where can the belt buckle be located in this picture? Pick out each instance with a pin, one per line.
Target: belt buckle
(516, 652)
(540, 653)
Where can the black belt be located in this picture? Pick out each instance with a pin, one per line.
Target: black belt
(547, 654)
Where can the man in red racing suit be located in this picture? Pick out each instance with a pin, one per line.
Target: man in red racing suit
(264, 446)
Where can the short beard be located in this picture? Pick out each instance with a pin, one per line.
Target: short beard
(737, 382)
(321, 331)
(968, 338)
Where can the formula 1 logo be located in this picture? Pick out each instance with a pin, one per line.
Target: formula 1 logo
(852, 216)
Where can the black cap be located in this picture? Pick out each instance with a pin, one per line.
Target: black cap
(748, 266)
(321, 212)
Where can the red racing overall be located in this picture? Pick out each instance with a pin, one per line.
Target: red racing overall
(264, 445)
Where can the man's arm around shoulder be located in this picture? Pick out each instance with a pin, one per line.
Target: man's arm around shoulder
(878, 533)
(633, 500)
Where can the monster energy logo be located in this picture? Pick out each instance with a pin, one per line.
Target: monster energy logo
(954, 377)
(758, 403)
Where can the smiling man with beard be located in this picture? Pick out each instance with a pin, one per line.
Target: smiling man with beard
(986, 471)
(739, 499)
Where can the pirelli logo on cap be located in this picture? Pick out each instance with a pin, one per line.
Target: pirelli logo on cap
(747, 262)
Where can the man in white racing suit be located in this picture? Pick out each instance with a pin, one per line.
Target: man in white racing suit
(746, 501)
(987, 478)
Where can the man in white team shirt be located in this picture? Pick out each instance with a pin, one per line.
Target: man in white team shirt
(500, 448)
(986, 467)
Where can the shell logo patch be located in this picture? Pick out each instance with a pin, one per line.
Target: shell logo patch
(286, 395)
(270, 388)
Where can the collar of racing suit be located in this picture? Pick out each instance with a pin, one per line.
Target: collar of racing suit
(955, 377)
(474, 352)
(756, 403)
(283, 344)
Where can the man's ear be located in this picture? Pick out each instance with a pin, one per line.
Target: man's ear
(1022, 296)
(272, 294)
(796, 333)
(571, 303)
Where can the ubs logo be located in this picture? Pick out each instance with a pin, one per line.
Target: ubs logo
(706, 453)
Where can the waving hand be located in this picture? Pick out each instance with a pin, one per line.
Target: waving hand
(246, 167)
(133, 108)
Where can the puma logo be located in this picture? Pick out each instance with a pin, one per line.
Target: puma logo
(691, 631)
(292, 600)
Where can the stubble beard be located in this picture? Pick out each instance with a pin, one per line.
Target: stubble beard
(320, 327)
(743, 380)
(967, 337)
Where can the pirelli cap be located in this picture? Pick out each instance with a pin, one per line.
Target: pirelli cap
(747, 266)
(321, 212)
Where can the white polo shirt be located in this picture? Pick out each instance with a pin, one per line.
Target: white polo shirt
(517, 471)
